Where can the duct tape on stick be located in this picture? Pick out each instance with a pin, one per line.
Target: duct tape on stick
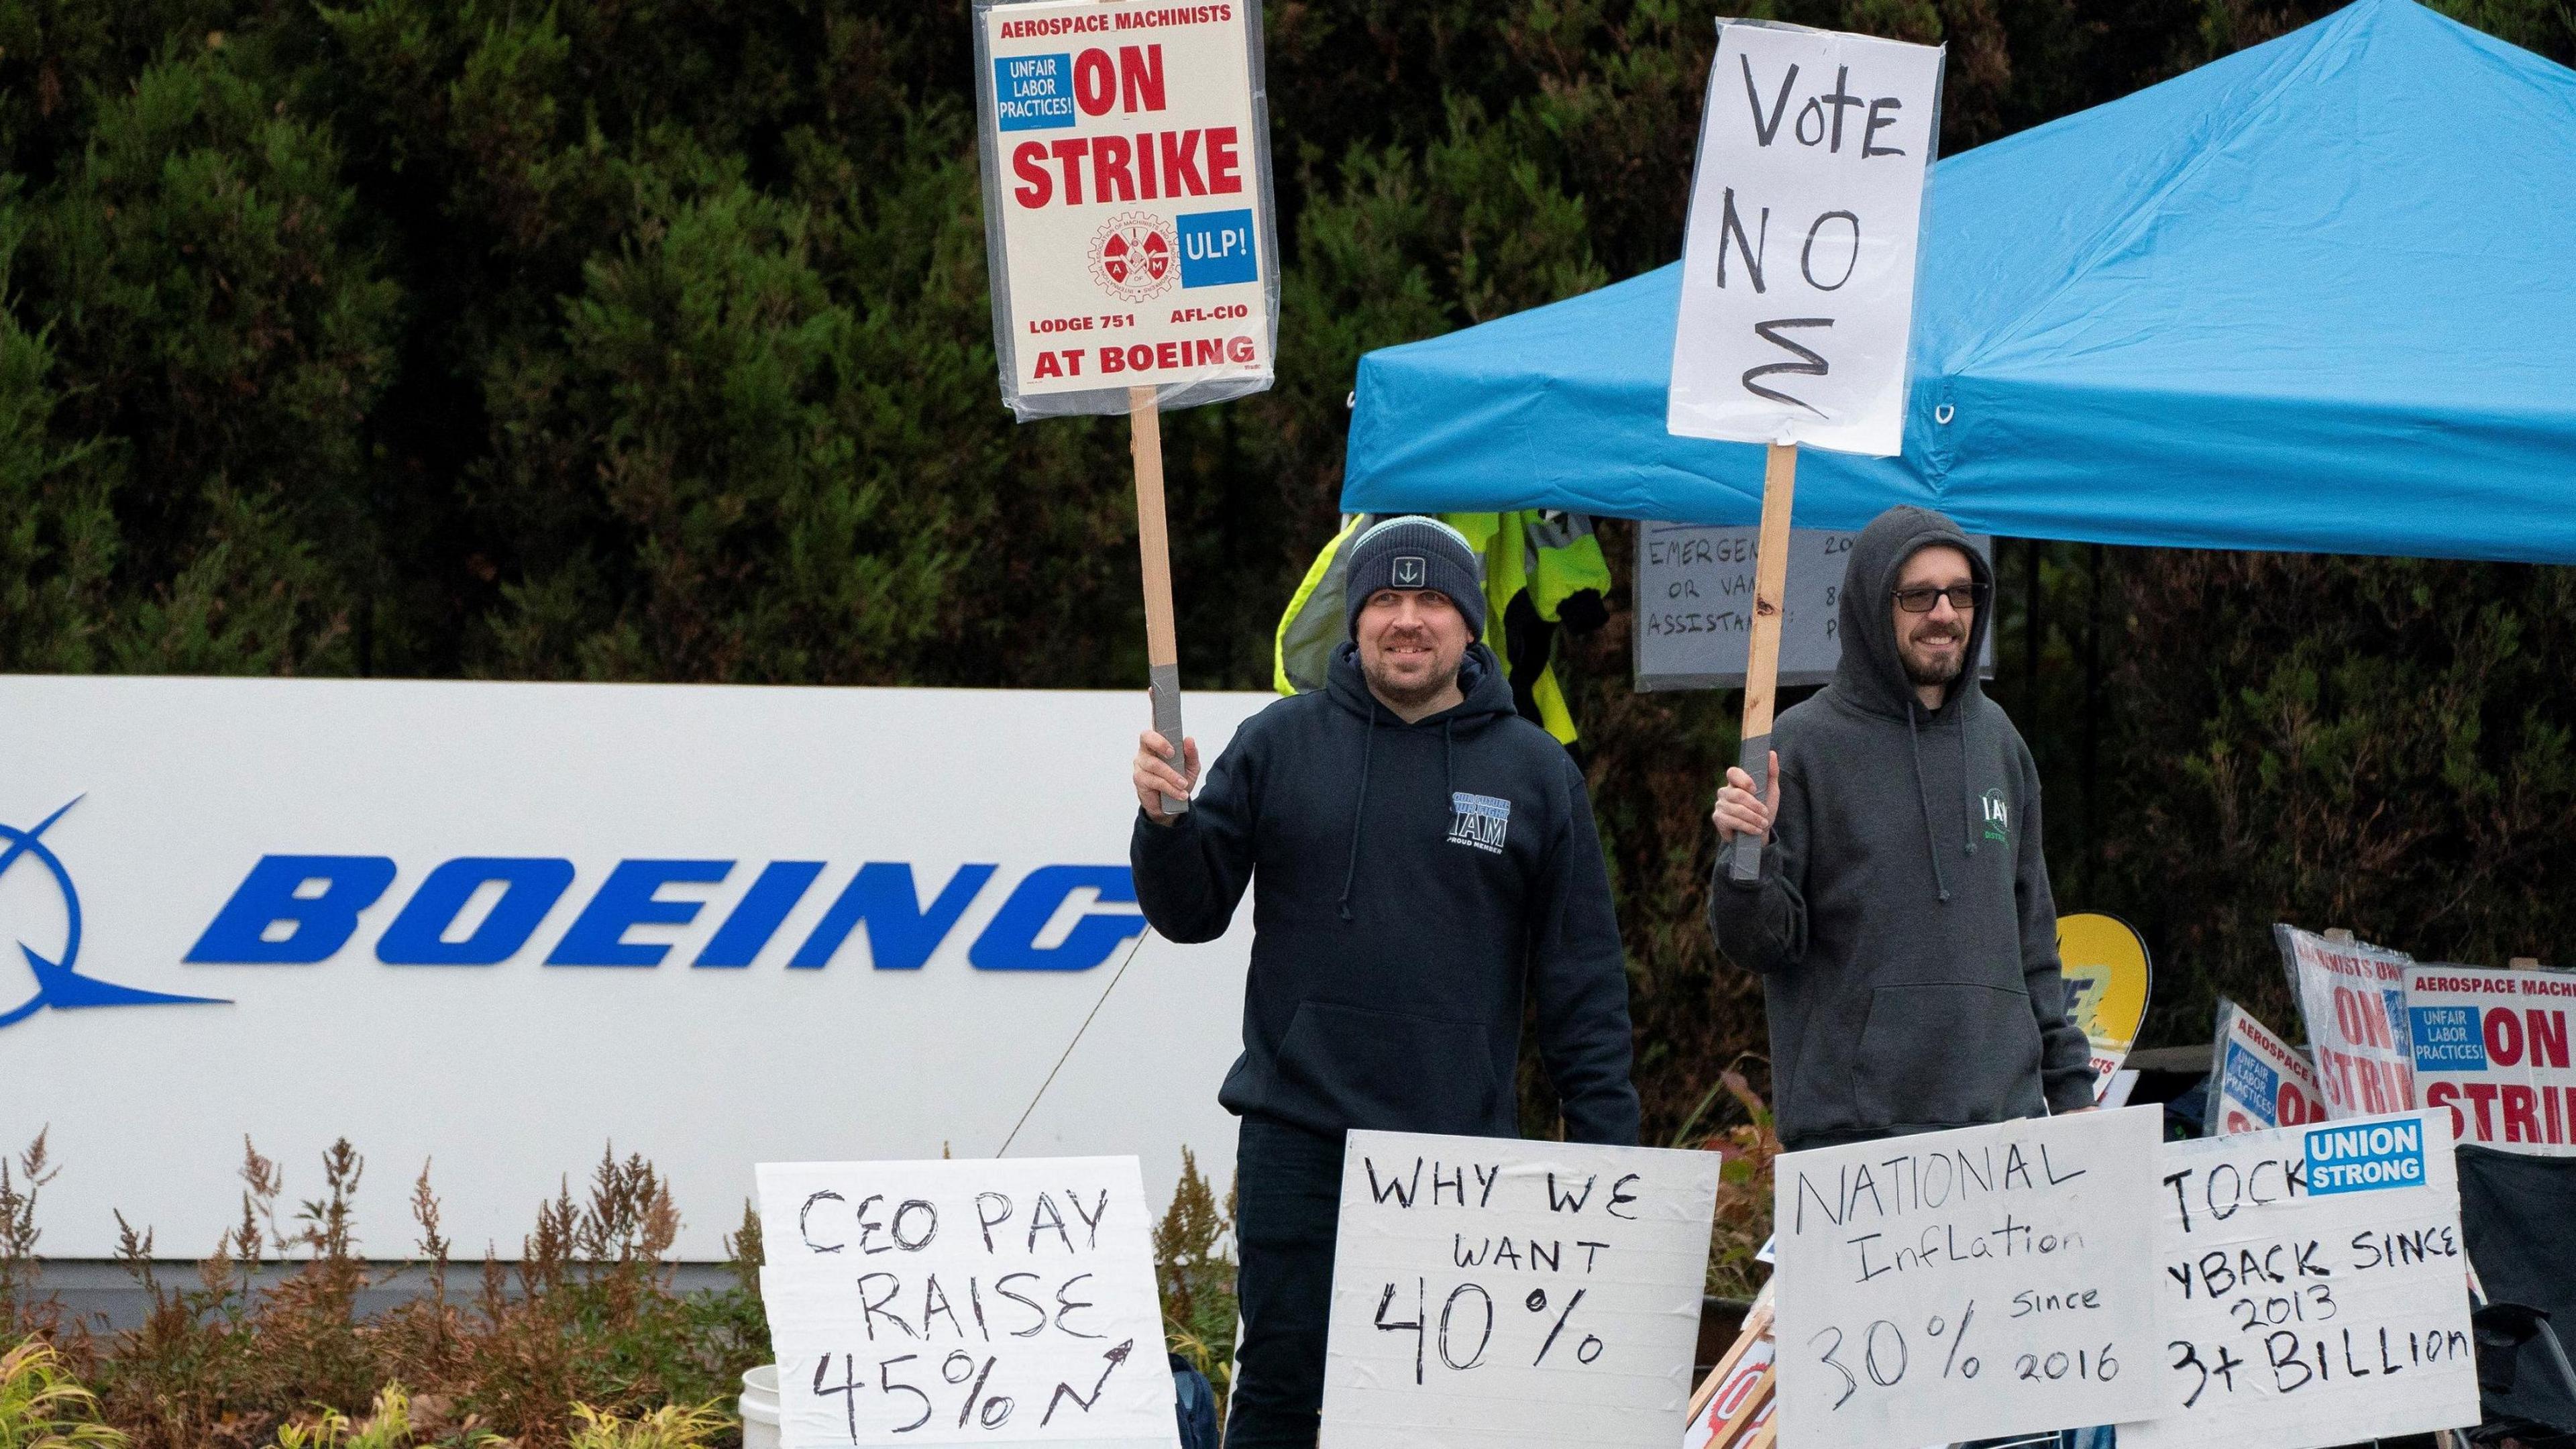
(1744, 861)
(1167, 723)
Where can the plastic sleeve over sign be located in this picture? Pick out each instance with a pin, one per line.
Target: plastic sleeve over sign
(1133, 242)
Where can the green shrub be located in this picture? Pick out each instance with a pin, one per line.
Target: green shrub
(583, 1337)
(1742, 1223)
(581, 1344)
(1194, 1269)
(673, 1426)
(43, 1407)
(388, 1426)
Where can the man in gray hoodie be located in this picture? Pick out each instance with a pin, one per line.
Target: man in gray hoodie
(1902, 924)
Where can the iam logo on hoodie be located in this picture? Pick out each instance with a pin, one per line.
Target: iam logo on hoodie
(1479, 820)
(1998, 817)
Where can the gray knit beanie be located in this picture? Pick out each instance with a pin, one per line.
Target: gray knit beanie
(1414, 552)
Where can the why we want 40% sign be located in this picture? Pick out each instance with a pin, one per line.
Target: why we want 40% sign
(1470, 1308)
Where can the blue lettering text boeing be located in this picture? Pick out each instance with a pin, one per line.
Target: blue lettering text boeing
(300, 909)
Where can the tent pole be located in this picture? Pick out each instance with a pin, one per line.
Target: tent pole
(2093, 728)
(2033, 633)
(1162, 641)
(1762, 656)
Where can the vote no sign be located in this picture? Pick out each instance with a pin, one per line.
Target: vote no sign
(1798, 267)
(1126, 201)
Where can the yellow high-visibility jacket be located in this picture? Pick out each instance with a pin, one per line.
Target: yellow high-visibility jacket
(1542, 568)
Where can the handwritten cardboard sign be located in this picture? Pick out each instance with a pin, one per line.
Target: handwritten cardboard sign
(2353, 998)
(975, 1302)
(1127, 201)
(2492, 1047)
(1960, 1285)
(1489, 1291)
(2257, 1080)
(1695, 605)
(2311, 1288)
(1797, 296)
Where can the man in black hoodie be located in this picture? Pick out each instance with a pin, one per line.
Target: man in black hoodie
(1426, 858)
(1902, 924)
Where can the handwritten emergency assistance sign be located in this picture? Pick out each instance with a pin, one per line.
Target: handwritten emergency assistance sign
(2256, 1080)
(2312, 1288)
(1798, 264)
(2353, 997)
(1489, 1291)
(1695, 605)
(1966, 1284)
(974, 1302)
(2491, 1047)
(1126, 201)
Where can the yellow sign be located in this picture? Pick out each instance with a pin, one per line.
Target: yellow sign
(2104, 961)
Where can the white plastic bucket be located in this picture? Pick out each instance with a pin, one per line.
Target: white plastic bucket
(759, 1407)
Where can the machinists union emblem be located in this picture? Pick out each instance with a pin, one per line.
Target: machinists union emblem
(1136, 257)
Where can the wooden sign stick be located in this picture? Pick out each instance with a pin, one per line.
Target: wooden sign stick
(1162, 642)
(1762, 658)
(1746, 1412)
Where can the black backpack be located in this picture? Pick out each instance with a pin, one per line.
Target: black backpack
(1194, 1401)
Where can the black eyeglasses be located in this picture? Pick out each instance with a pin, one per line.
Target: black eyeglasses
(1963, 597)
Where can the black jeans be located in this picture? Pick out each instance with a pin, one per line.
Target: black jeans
(1288, 1182)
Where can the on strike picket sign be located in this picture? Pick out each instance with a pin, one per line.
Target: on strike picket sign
(2312, 1288)
(1127, 201)
(2353, 997)
(2257, 1080)
(1491, 1291)
(1798, 264)
(2491, 1046)
(974, 1302)
(1965, 1284)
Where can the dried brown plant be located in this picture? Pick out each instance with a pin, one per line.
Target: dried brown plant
(19, 1266)
(269, 1339)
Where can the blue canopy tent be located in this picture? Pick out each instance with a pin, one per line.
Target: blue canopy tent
(2320, 295)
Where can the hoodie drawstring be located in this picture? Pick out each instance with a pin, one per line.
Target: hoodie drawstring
(1973, 809)
(1448, 761)
(1923, 797)
(1359, 809)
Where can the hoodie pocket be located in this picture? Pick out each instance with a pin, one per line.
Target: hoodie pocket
(1383, 1071)
(1948, 1056)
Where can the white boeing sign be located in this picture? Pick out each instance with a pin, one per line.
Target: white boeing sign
(499, 927)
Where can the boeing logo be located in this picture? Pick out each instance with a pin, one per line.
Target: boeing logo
(59, 983)
(482, 910)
